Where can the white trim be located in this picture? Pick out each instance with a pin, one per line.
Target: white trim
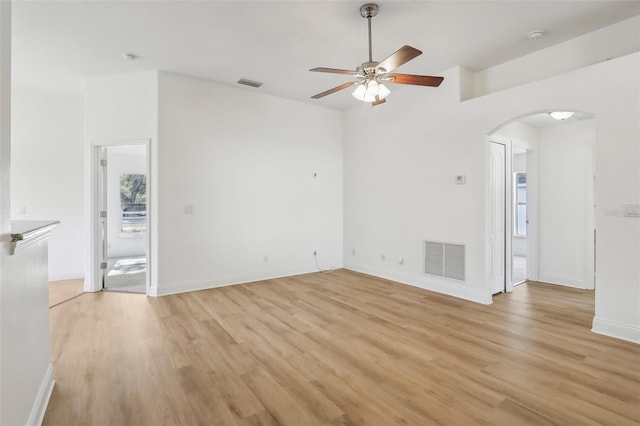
(63, 276)
(39, 407)
(561, 280)
(508, 218)
(185, 286)
(616, 330)
(532, 214)
(457, 289)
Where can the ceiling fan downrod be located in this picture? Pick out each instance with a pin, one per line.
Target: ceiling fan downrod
(368, 11)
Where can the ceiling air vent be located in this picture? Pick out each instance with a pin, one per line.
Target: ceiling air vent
(248, 82)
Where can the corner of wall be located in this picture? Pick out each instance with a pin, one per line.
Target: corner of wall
(467, 83)
(616, 330)
(460, 291)
(39, 407)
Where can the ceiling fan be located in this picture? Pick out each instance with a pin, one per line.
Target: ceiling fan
(371, 76)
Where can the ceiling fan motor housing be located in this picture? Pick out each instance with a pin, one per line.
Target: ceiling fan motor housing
(370, 67)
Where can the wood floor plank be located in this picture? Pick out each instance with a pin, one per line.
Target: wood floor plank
(64, 290)
(338, 348)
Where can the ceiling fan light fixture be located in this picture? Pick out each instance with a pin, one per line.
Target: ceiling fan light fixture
(383, 91)
(561, 115)
(370, 91)
(359, 92)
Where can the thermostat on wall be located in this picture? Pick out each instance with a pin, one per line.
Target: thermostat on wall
(460, 180)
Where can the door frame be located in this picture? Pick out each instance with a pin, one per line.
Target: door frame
(507, 217)
(532, 216)
(529, 243)
(93, 282)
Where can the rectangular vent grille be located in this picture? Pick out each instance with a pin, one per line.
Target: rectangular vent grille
(444, 259)
(248, 82)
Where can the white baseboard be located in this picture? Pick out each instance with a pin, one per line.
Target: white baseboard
(165, 289)
(39, 407)
(561, 280)
(450, 288)
(616, 329)
(59, 276)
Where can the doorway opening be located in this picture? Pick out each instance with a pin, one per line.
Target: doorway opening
(123, 216)
(519, 216)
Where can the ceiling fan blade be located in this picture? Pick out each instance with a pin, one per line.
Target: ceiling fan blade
(399, 57)
(334, 71)
(417, 80)
(335, 89)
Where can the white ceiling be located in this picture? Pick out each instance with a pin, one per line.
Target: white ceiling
(56, 44)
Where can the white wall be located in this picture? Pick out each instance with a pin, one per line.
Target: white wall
(48, 172)
(7, 299)
(25, 368)
(245, 162)
(565, 178)
(119, 110)
(519, 162)
(401, 158)
(122, 160)
(5, 127)
(617, 163)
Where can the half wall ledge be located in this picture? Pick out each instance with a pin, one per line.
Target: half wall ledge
(26, 232)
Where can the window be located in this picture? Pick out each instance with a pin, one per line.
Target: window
(133, 204)
(520, 202)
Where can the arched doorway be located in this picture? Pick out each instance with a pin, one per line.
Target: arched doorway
(542, 223)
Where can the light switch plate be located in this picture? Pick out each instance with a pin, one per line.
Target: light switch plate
(632, 210)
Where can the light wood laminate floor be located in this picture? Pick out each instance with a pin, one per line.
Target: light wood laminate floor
(338, 349)
(61, 291)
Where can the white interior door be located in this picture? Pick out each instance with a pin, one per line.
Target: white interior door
(497, 235)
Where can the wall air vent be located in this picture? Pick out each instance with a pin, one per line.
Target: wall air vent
(248, 82)
(444, 260)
